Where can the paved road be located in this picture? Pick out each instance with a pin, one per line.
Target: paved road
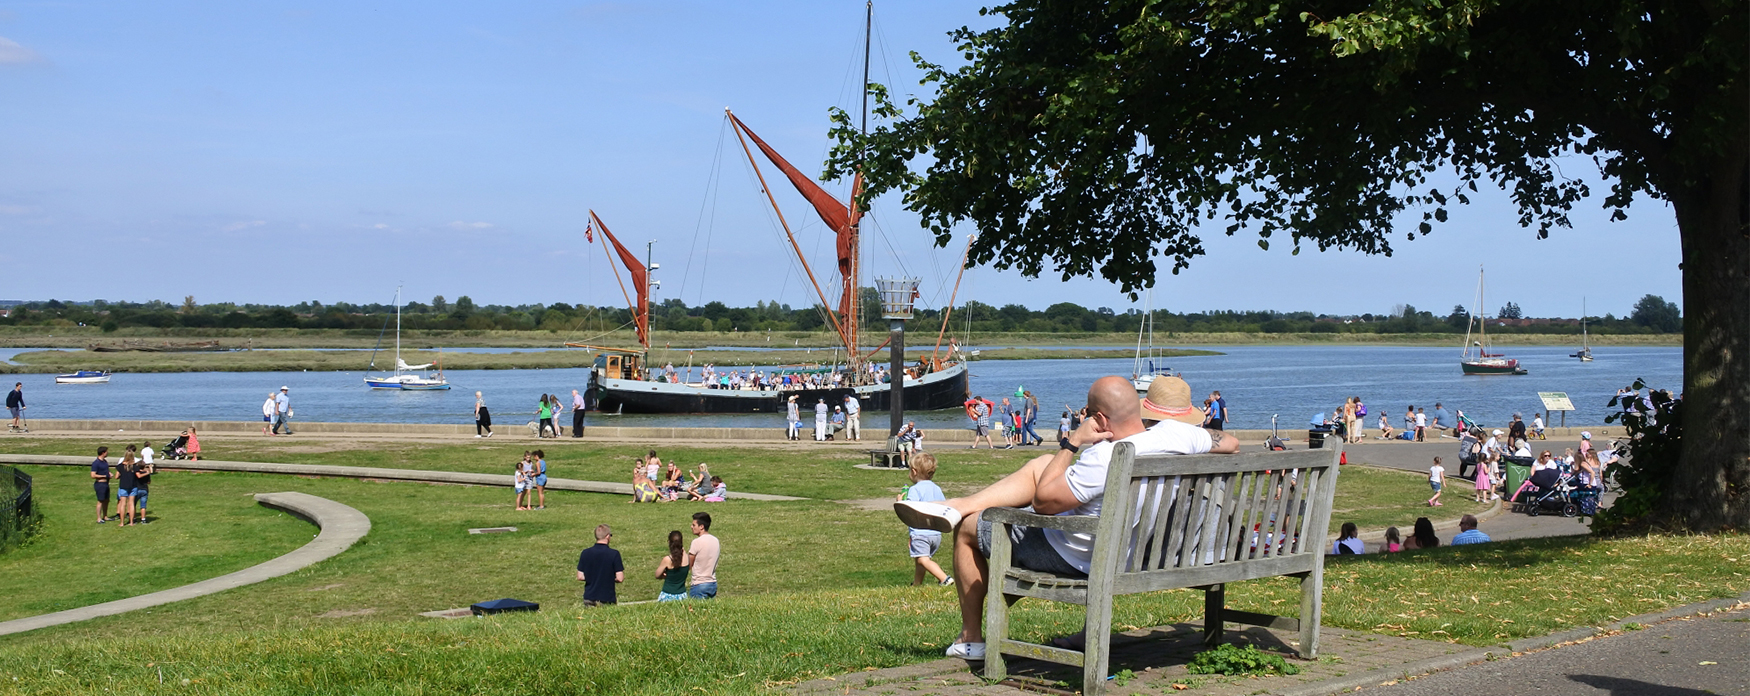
(1661, 660)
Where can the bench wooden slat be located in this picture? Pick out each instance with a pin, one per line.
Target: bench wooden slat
(1048, 653)
(1078, 524)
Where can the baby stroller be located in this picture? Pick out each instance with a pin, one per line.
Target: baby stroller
(1552, 490)
(1274, 443)
(177, 448)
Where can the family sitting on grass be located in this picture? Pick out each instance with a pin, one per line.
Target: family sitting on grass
(1349, 542)
(1069, 481)
(600, 568)
(650, 484)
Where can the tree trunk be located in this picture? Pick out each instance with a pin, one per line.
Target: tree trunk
(1710, 487)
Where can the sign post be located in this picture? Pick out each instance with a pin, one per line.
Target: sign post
(1556, 401)
(897, 296)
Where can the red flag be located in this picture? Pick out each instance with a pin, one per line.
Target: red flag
(589, 232)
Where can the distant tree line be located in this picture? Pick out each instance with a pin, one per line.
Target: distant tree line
(1652, 314)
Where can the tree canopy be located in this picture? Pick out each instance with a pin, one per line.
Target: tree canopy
(1091, 138)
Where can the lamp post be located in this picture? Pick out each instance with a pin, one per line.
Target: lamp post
(897, 296)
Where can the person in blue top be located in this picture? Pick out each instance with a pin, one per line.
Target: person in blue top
(15, 405)
(1468, 533)
(100, 483)
(925, 542)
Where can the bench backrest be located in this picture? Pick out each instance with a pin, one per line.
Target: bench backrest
(1230, 517)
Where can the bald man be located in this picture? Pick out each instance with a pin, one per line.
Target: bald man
(1069, 482)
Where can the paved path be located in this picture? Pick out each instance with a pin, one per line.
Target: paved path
(367, 472)
(1684, 657)
(341, 527)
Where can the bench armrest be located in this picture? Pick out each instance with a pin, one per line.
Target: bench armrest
(1083, 524)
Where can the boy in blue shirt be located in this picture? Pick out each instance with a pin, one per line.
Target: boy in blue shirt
(924, 542)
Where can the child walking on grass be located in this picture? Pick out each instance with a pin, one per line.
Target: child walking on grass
(924, 542)
(1436, 480)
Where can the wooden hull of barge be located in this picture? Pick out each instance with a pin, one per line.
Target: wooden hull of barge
(936, 391)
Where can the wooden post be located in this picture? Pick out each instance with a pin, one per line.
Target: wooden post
(1214, 601)
(996, 607)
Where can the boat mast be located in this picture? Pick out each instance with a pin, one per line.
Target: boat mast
(1482, 316)
(855, 320)
(397, 329)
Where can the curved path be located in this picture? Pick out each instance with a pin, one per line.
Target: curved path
(341, 527)
(367, 472)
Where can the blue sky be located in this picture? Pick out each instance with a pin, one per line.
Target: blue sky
(256, 152)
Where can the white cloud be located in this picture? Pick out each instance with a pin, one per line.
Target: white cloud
(459, 225)
(380, 226)
(13, 54)
(240, 226)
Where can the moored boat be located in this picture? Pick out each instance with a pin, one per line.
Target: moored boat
(1482, 362)
(405, 377)
(83, 377)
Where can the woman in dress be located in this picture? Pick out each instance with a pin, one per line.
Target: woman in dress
(482, 417)
(672, 570)
(194, 445)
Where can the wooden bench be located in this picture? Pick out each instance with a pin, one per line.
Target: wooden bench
(890, 458)
(1234, 517)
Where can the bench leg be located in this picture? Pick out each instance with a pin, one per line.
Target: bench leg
(1312, 588)
(1097, 642)
(1214, 603)
(996, 606)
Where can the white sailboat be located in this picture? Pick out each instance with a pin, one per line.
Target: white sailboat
(1585, 354)
(405, 377)
(1142, 374)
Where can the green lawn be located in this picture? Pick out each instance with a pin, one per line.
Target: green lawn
(810, 589)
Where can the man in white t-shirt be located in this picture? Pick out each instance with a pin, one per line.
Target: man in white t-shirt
(1069, 482)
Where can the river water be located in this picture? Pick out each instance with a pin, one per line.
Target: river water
(1257, 381)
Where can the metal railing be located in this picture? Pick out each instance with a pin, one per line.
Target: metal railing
(17, 514)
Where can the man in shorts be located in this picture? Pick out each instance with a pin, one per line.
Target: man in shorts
(702, 556)
(980, 409)
(100, 483)
(1071, 481)
(15, 405)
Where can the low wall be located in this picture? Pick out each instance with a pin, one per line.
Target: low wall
(874, 437)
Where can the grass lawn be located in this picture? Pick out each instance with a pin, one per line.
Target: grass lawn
(809, 589)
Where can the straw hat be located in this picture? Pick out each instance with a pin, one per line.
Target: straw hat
(1169, 398)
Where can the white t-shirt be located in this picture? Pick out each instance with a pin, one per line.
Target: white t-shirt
(1421, 420)
(1087, 480)
(1435, 473)
(146, 454)
(1492, 446)
(268, 406)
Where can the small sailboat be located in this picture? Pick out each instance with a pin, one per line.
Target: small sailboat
(406, 377)
(1585, 353)
(1142, 374)
(1482, 362)
(83, 377)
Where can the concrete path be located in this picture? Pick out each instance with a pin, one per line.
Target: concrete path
(341, 526)
(1692, 656)
(1353, 660)
(366, 472)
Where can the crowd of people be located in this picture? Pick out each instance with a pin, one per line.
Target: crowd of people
(1422, 536)
(131, 482)
(652, 483)
(781, 380)
(1013, 421)
(829, 421)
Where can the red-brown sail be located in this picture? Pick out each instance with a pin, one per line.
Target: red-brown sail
(840, 219)
(640, 280)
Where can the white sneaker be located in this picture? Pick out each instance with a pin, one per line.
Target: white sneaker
(948, 582)
(968, 651)
(479, 436)
(921, 515)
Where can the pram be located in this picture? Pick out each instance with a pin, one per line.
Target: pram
(1274, 443)
(1552, 490)
(177, 448)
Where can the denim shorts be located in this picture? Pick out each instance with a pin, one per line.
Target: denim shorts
(124, 492)
(925, 546)
(1435, 485)
(1028, 549)
(703, 590)
(666, 597)
(541, 480)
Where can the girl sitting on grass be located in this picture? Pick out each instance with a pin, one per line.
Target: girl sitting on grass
(672, 571)
(1393, 543)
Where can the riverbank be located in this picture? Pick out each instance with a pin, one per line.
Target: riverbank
(82, 336)
(288, 360)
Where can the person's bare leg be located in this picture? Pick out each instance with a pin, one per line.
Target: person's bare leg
(970, 568)
(1015, 490)
(928, 565)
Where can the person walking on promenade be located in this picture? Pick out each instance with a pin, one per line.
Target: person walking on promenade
(577, 411)
(558, 410)
(672, 570)
(980, 410)
(193, 448)
(15, 405)
(792, 418)
(100, 475)
(599, 568)
(1030, 416)
(282, 411)
(820, 426)
(702, 556)
(268, 408)
(544, 414)
(482, 417)
(1217, 411)
(853, 417)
